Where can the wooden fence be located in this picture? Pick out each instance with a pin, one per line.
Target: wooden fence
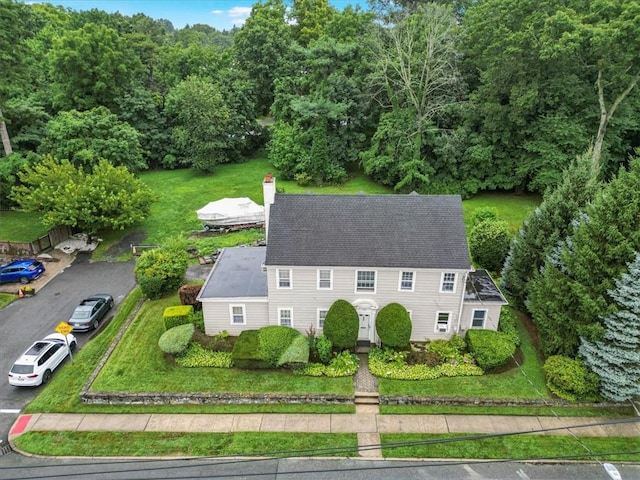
(29, 249)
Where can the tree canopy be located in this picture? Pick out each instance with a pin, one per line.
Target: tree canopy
(106, 198)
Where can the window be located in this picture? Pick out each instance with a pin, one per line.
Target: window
(478, 318)
(325, 279)
(322, 314)
(442, 322)
(365, 281)
(448, 283)
(284, 278)
(237, 315)
(285, 317)
(406, 281)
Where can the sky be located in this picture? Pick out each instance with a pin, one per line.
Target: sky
(220, 14)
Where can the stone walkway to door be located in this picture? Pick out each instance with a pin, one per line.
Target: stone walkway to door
(367, 403)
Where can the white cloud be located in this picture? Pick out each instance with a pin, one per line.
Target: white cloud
(217, 12)
(239, 12)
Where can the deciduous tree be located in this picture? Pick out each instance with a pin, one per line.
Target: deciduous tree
(107, 198)
(84, 138)
(415, 71)
(261, 46)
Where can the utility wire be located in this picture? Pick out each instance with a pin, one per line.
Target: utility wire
(284, 454)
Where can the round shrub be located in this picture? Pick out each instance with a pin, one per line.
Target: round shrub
(490, 349)
(275, 340)
(570, 379)
(161, 270)
(489, 243)
(176, 340)
(341, 325)
(393, 326)
(246, 351)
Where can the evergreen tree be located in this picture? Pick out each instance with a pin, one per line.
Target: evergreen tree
(546, 226)
(569, 298)
(616, 358)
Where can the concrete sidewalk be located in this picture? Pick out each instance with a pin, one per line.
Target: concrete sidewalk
(366, 422)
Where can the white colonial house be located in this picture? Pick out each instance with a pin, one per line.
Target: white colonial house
(370, 250)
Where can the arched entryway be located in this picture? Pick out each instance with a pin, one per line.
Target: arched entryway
(366, 309)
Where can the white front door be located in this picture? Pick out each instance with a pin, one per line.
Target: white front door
(365, 326)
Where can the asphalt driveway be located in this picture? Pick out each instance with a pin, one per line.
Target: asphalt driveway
(30, 319)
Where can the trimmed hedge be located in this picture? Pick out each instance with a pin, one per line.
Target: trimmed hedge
(341, 325)
(177, 315)
(270, 347)
(393, 326)
(296, 354)
(570, 379)
(176, 340)
(246, 351)
(274, 340)
(490, 349)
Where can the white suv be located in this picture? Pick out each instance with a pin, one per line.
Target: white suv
(36, 365)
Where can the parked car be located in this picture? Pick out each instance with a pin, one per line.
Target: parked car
(91, 310)
(23, 271)
(36, 365)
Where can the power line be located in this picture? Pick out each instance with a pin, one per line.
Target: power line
(289, 454)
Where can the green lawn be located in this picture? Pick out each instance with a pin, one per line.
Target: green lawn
(134, 444)
(511, 208)
(20, 226)
(181, 192)
(6, 299)
(514, 447)
(125, 372)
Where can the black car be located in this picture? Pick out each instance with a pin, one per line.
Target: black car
(91, 310)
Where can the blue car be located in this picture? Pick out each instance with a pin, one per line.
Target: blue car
(22, 271)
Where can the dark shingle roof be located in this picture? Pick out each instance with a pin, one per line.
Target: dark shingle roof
(237, 273)
(481, 288)
(419, 231)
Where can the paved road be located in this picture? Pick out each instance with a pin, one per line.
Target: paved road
(14, 467)
(30, 319)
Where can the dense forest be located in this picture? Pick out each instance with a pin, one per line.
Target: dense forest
(442, 96)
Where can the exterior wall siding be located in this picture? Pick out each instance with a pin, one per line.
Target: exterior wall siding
(217, 315)
(304, 298)
(493, 314)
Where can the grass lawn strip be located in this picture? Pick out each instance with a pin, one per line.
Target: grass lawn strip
(125, 372)
(103, 444)
(512, 447)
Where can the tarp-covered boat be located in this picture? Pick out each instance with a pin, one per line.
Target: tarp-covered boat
(229, 212)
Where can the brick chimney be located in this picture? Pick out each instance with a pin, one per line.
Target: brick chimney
(269, 194)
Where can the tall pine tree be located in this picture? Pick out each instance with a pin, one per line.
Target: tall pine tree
(616, 358)
(546, 226)
(569, 298)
